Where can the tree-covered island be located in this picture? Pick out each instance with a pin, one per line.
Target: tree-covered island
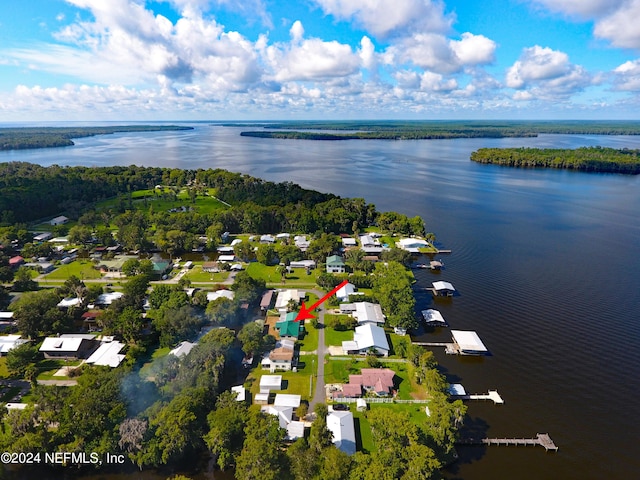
(184, 333)
(586, 159)
(432, 130)
(46, 137)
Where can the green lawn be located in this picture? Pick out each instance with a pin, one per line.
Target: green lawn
(196, 275)
(295, 382)
(334, 337)
(157, 354)
(338, 371)
(364, 438)
(83, 269)
(4, 373)
(48, 367)
(143, 199)
(268, 273)
(309, 342)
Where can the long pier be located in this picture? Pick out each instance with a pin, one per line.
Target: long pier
(542, 439)
(450, 348)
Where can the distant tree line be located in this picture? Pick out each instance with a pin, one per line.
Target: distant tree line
(587, 159)
(46, 137)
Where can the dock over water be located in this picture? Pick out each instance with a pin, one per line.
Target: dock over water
(493, 395)
(542, 439)
(450, 348)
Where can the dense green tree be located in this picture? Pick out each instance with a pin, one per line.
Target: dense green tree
(248, 288)
(227, 422)
(261, 456)
(266, 254)
(396, 255)
(175, 325)
(322, 247)
(244, 251)
(23, 282)
(19, 359)
(135, 289)
(392, 289)
(222, 311)
(252, 338)
(36, 313)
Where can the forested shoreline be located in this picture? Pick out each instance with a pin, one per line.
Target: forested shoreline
(431, 130)
(586, 159)
(48, 137)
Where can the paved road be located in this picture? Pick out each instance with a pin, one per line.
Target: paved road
(319, 395)
(59, 383)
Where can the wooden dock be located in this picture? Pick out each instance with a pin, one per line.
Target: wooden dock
(493, 395)
(542, 439)
(450, 348)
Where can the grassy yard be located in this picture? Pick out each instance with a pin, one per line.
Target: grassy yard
(157, 354)
(334, 337)
(143, 199)
(4, 373)
(338, 371)
(309, 342)
(268, 273)
(48, 367)
(82, 269)
(196, 275)
(295, 382)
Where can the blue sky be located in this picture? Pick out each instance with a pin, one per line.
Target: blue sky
(319, 59)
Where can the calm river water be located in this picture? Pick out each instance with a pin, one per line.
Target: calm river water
(545, 262)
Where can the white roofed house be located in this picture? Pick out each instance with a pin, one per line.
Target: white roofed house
(284, 296)
(412, 244)
(344, 292)
(69, 346)
(340, 423)
(222, 293)
(108, 354)
(367, 312)
(9, 342)
(365, 338)
(182, 349)
(267, 239)
(60, 220)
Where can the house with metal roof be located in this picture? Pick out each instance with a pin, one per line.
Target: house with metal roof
(340, 423)
(367, 312)
(335, 264)
(365, 338)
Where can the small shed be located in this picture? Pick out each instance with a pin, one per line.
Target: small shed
(270, 382)
(361, 405)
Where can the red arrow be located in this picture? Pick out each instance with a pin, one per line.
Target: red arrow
(305, 312)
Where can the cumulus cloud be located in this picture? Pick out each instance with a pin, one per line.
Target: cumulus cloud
(614, 20)
(383, 18)
(627, 76)
(310, 59)
(547, 73)
(474, 49)
(127, 35)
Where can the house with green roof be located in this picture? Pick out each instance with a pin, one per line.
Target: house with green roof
(287, 327)
(335, 264)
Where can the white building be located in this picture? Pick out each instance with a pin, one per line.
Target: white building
(108, 354)
(182, 349)
(270, 382)
(284, 296)
(344, 292)
(222, 293)
(9, 342)
(367, 337)
(367, 312)
(344, 435)
(58, 220)
(468, 342)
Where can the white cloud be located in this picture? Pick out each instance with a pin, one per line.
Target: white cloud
(626, 77)
(474, 49)
(614, 20)
(546, 73)
(310, 59)
(384, 18)
(581, 8)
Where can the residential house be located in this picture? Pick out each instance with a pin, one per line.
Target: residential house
(285, 296)
(366, 338)
(294, 428)
(267, 239)
(335, 264)
(69, 346)
(287, 327)
(343, 293)
(222, 293)
(270, 382)
(267, 298)
(241, 393)
(211, 267)
(108, 354)
(43, 237)
(367, 312)
(308, 264)
(106, 299)
(412, 245)
(15, 262)
(60, 220)
(182, 349)
(9, 342)
(278, 359)
(340, 423)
